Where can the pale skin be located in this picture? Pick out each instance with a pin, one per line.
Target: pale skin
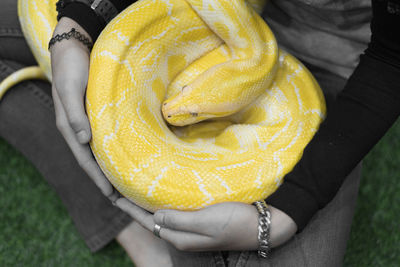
(224, 226)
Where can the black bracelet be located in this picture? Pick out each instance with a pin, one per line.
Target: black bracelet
(71, 34)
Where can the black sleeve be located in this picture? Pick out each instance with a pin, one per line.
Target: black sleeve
(87, 18)
(360, 116)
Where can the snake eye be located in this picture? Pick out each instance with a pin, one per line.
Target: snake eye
(195, 114)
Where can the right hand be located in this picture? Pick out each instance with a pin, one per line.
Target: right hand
(70, 71)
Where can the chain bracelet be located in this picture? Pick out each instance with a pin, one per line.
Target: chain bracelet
(71, 34)
(264, 225)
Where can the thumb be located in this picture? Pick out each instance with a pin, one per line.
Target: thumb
(72, 98)
(177, 220)
(70, 68)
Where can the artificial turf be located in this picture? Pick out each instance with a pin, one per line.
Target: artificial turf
(35, 229)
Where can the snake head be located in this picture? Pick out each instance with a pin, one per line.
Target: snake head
(184, 108)
(180, 115)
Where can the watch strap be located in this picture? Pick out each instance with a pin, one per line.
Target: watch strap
(104, 9)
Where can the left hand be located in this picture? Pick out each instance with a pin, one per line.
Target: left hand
(70, 72)
(224, 226)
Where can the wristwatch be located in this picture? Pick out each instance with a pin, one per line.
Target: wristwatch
(104, 9)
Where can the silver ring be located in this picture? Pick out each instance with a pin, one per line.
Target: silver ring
(157, 230)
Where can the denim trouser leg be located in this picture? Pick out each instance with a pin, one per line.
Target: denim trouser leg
(27, 122)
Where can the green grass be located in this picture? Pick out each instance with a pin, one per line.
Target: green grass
(375, 233)
(36, 229)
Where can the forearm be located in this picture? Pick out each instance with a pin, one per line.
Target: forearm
(362, 113)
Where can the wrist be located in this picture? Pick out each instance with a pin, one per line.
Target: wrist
(282, 227)
(65, 25)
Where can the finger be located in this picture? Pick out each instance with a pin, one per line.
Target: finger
(72, 98)
(187, 221)
(81, 152)
(188, 241)
(137, 213)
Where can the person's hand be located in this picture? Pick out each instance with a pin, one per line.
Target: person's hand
(70, 70)
(224, 226)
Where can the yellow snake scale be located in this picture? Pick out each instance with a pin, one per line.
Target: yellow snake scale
(185, 61)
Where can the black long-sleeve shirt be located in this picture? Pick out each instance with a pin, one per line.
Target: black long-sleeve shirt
(360, 116)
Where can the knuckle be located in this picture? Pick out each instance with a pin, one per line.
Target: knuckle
(61, 124)
(76, 122)
(159, 217)
(167, 220)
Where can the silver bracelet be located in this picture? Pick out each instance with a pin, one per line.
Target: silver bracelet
(264, 226)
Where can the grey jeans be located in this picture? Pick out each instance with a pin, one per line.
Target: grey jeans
(27, 122)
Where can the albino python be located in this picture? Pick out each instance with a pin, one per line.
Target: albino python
(185, 61)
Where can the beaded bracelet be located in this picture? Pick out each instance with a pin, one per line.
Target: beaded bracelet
(71, 34)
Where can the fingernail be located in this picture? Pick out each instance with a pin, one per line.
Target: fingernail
(82, 136)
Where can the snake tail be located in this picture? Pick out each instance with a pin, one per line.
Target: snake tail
(28, 73)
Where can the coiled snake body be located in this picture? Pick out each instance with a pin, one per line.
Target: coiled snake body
(240, 110)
